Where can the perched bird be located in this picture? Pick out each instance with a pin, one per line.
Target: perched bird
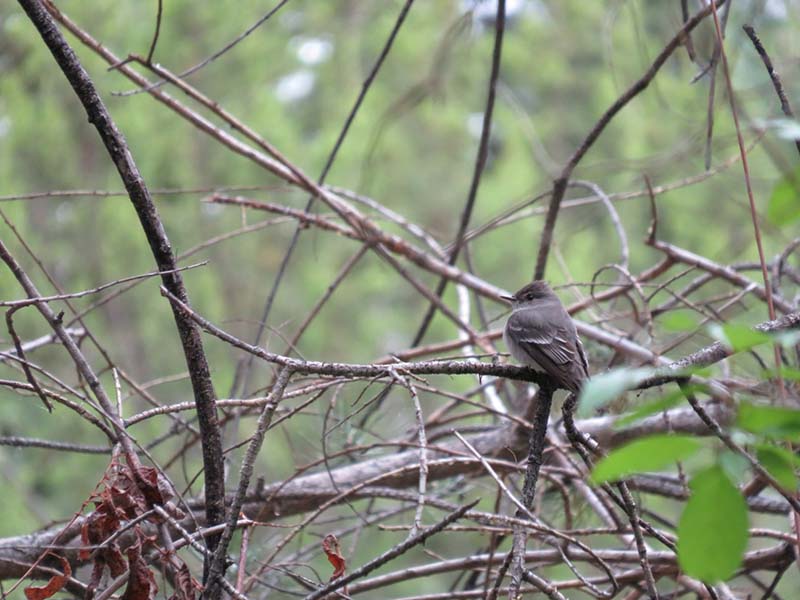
(539, 333)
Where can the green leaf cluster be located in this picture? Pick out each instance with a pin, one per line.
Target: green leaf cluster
(712, 530)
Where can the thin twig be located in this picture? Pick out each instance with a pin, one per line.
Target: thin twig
(21, 354)
(98, 289)
(18, 442)
(422, 486)
(155, 33)
(393, 553)
(211, 58)
(786, 107)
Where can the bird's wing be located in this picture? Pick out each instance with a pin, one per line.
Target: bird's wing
(552, 348)
(553, 342)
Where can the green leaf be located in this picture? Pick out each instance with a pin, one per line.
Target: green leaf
(656, 406)
(735, 465)
(780, 463)
(646, 454)
(784, 203)
(679, 320)
(786, 372)
(605, 387)
(772, 421)
(738, 337)
(712, 532)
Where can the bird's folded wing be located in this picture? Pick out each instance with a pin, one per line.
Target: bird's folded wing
(554, 343)
(550, 348)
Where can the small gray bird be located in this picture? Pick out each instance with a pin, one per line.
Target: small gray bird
(540, 333)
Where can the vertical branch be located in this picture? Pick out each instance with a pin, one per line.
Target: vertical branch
(688, 41)
(161, 248)
(750, 196)
(480, 164)
(155, 34)
(581, 442)
(536, 442)
(217, 568)
(712, 87)
(544, 401)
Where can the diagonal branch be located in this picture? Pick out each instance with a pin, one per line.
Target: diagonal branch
(786, 107)
(560, 184)
(243, 370)
(393, 553)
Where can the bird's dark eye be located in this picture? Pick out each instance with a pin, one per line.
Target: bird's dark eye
(529, 296)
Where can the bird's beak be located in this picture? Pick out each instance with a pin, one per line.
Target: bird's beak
(508, 298)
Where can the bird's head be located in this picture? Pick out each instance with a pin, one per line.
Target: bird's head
(536, 290)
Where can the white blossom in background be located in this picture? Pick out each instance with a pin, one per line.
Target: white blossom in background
(312, 50)
(485, 10)
(295, 86)
(475, 124)
(776, 9)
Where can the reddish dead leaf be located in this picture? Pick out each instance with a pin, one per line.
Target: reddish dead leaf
(153, 486)
(99, 525)
(94, 580)
(125, 495)
(126, 498)
(141, 582)
(185, 585)
(55, 584)
(330, 545)
(84, 552)
(115, 561)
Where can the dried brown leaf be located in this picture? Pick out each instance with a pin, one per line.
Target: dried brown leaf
(54, 585)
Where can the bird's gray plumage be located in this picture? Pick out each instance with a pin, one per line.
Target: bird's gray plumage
(540, 333)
